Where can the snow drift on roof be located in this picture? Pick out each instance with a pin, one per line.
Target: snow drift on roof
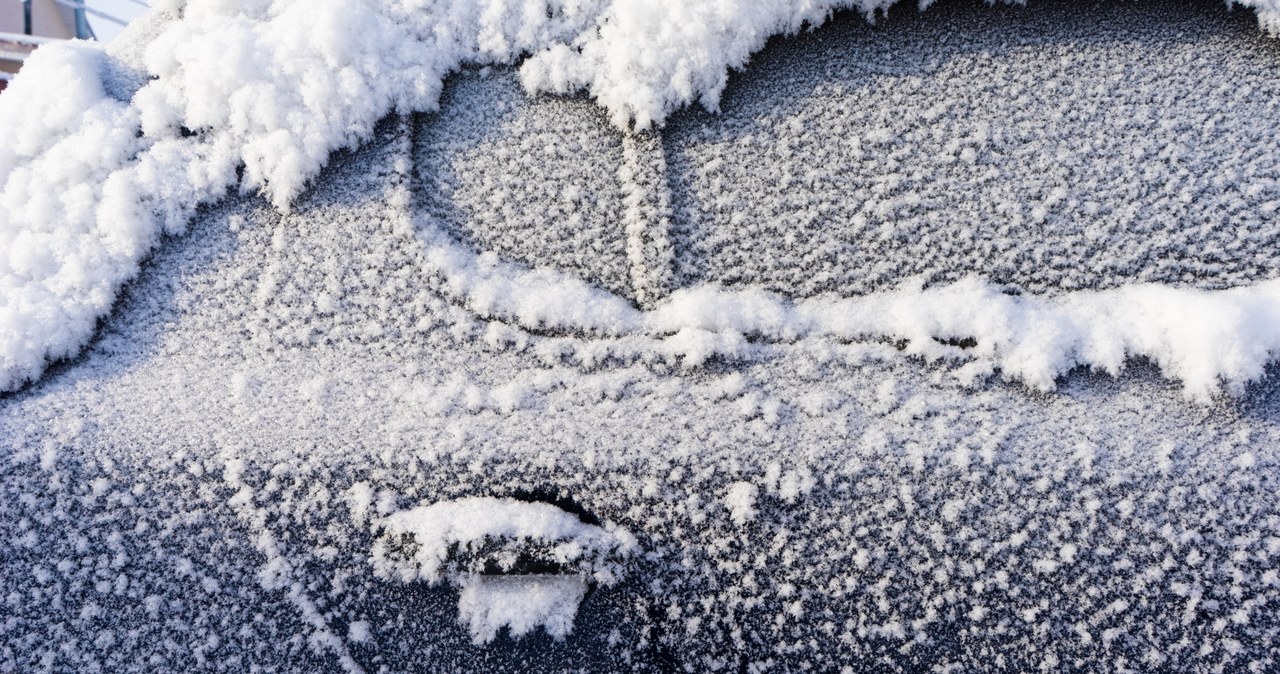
(111, 150)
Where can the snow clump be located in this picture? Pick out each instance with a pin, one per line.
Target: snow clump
(519, 565)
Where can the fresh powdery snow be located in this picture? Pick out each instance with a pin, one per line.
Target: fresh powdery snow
(475, 343)
(113, 149)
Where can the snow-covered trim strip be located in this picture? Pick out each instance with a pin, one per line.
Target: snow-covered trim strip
(643, 177)
(1202, 338)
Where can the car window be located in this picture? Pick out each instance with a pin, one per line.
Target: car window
(531, 180)
(1041, 156)
(1046, 152)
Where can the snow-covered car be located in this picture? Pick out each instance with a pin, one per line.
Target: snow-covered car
(462, 336)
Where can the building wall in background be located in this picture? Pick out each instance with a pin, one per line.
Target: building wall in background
(10, 16)
(49, 19)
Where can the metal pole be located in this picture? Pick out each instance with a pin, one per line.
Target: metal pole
(83, 31)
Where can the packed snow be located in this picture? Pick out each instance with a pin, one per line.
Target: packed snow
(204, 488)
(520, 605)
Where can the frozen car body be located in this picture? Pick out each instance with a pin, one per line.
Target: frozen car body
(198, 490)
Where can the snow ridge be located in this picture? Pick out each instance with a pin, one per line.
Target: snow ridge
(1201, 338)
(648, 216)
